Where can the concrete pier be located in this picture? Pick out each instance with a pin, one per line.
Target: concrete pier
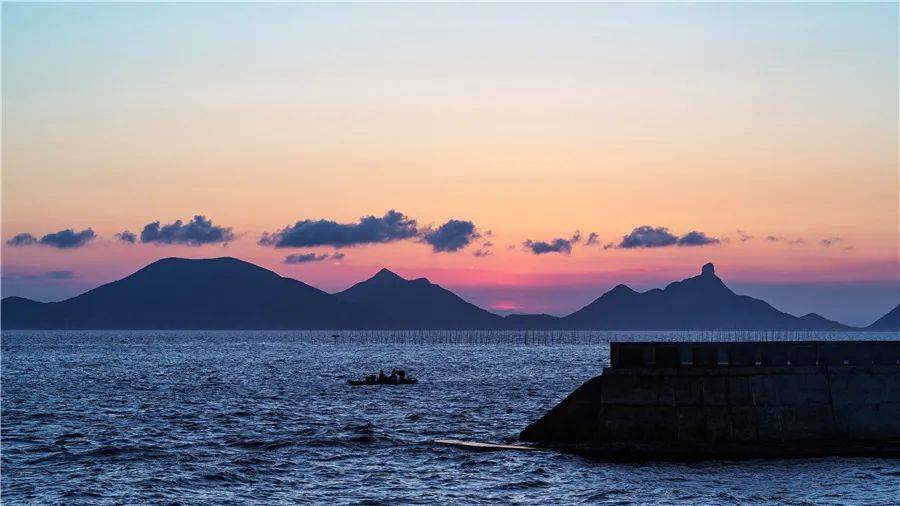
(699, 400)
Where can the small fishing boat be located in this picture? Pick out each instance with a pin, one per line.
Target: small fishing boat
(396, 378)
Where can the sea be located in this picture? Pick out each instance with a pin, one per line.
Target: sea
(201, 417)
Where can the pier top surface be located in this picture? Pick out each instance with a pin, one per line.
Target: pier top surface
(667, 355)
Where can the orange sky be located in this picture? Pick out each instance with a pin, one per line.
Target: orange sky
(530, 121)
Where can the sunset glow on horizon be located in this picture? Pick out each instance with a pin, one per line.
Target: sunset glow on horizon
(769, 131)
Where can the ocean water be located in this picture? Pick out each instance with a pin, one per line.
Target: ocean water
(237, 417)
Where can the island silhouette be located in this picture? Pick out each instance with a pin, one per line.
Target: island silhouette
(228, 293)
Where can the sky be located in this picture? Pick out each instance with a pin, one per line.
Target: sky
(479, 146)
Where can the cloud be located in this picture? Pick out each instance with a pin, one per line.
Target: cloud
(485, 249)
(828, 242)
(393, 226)
(558, 245)
(302, 258)
(695, 238)
(451, 236)
(592, 239)
(196, 232)
(744, 236)
(24, 239)
(648, 237)
(791, 242)
(609, 245)
(64, 239)
(44, 276)
(59, 275)
(659, 237)
(68, 238)
(126, 236)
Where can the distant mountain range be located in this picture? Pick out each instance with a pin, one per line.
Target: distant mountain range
(227, 293)
(700, 302)
(890, 321)
(177, 293)
(417, 304)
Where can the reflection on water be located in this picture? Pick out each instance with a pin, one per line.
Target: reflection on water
(267, 416)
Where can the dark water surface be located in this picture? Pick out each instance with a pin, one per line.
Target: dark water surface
(218, 417)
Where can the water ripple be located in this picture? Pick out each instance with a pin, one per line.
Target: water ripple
(266, 417)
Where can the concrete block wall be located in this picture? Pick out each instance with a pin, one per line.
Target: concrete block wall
(808, 405)
(760, 404)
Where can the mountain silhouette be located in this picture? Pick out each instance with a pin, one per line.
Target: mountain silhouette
(888, 322)
(227, 293)
(700, 302)
(416, 304)
(178, 293)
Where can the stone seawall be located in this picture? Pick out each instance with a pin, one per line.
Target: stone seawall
(733, 399)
